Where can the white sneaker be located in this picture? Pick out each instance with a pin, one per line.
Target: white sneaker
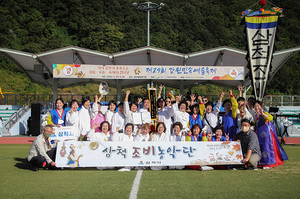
(267, 167)
(124, 169)
(207, 168)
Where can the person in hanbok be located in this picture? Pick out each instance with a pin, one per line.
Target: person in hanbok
(102, 135)
(132, 115)
(219, 135)
(177, 136)
(110, 112)
(99, 117)
(86, 113)
(229, 118)
(165, 115)
(72, 117)
(143, 134)
(57, 116)
(271, 151)
(180, 114)
(210, 117)
(195, 134)
(160, 136)
(127, 136)
(145, 114)
(118, 120)
(195, 118)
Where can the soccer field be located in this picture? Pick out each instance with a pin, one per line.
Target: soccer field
(18, 181)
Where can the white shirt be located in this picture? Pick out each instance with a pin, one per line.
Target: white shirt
(123, 137)
(142, 138)
(131, 117)
(165, 115)
(99, 137)
(72, 119)
(182, 117)
(146, 116)
(163, 138)
(212, 118)
(178, 138)
(108, 116)
(85, 116)
(118, 121)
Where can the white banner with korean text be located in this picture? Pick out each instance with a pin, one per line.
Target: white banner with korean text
(63, 133)
(110, 154)
(148, 72)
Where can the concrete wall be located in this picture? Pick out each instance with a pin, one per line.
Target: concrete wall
(21, 128)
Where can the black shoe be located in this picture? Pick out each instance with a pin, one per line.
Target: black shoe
(35, 169)
(46, 168)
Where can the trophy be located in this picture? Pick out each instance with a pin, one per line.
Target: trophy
(153, 102)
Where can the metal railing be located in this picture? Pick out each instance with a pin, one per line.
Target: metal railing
(15, 118)
(17, 99)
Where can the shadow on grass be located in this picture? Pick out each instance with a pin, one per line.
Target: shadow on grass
(22, 163)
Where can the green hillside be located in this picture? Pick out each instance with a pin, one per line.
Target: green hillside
(111, 26)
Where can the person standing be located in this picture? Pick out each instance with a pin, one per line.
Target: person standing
(272, 152)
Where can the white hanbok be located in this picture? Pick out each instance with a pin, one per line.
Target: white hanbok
(142, 138)
(122, 137)
(108, 116)
(182, 117)
(177, 138)
(146, 116)
(211, 118)
(165, 115)
(132, 117)
(72, 119)
(118, 122)
(85, 116)
(160, 138)
(99, 136)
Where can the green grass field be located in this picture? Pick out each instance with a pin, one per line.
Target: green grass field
(18, 181)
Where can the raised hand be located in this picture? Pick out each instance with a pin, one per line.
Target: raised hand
(193, 97)
(161, 87)
(230, 92)
(139, 100)
(240, 87)
(200, 99)
(227, 136)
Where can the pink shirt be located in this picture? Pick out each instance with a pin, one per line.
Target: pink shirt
(98, 120)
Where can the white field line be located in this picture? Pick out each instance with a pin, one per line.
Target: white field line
(14, 147)
(136, 185)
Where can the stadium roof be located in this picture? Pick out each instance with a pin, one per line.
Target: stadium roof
(38, 67)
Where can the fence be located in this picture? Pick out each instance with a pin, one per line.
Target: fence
(47, 100)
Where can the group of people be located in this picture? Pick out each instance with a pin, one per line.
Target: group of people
(191, 119)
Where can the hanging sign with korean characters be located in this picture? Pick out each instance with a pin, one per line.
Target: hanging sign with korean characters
(110, 154)
(261, 33)
(148, 72)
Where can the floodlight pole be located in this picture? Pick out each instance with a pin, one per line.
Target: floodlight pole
(148, 7)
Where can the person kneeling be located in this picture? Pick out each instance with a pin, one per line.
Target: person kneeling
(43, 150)
(250, 145)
